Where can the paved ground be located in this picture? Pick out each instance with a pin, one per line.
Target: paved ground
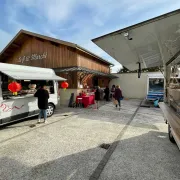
(67, 148)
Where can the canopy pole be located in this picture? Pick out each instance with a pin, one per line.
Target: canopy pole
(164, 65)
(165, 71)
(165, 82)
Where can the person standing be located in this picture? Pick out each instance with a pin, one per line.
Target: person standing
(101, 93)
(97, 97)
(43, 96)
(112, 91)
(106, 91)
(118, 96)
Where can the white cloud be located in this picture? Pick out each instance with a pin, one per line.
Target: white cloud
(54, 11)
(52, 14)
(58, 11)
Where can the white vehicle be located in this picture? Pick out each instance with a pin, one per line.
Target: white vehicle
(24, 104)
(155, 87)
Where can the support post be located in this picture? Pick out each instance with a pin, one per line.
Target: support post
(165, 82)
(164, 66)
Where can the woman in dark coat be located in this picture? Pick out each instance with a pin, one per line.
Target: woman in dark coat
(118, 96)
(106, 91)
(97, 96)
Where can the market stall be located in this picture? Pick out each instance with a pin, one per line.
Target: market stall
(18, 85)
(85, 100)
(79, 66)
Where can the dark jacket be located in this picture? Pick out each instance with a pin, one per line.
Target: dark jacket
(106, 91)
(112, 89)
(118, 94)
(43, 97)
(97, 95)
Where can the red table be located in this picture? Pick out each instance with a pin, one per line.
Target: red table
(86, 100)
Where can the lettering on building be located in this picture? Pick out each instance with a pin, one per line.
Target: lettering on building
(32, 57)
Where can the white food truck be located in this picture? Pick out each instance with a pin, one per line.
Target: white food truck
(24, 104)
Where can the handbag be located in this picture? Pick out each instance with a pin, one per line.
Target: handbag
(122, 98)
(115, 102)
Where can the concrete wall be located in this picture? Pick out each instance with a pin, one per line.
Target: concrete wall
(131, 85)
(65, 95)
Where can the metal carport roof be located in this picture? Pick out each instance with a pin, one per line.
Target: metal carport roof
(150, 43)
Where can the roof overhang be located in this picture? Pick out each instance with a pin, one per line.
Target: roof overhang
(151, 42)
(153, 75)
(84, 70)
(19, 72)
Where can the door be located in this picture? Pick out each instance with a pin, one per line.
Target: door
(95, 81)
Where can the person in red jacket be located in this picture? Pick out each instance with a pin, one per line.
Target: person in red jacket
(118, 96)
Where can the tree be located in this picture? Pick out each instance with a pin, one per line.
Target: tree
(123, 70)
(153, 69)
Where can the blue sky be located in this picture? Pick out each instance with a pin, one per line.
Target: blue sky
(77, 21)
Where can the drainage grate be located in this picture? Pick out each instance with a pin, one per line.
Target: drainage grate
(32, 125)
(105, 146)
(65, 115)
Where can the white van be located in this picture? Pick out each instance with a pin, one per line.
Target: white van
(155, 86)
(24, 104)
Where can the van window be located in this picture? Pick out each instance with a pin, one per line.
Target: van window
(28, 86)
(156, 85)
(5, 82)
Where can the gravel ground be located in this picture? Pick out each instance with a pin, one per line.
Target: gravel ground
(67, 148)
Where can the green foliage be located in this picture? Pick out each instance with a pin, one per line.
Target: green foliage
(125, 70)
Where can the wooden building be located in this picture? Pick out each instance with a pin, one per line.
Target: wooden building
(79, 66)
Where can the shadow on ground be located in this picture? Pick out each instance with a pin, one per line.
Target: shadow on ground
(148, 156)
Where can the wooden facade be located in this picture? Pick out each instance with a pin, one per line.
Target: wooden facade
(57, 56)
(36, 50)
(85, 60)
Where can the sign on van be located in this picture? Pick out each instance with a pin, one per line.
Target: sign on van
(32, 57)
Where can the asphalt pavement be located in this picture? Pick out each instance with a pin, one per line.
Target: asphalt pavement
(68, 147)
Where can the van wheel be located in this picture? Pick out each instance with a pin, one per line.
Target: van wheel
(50, 110)
(171, 138)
